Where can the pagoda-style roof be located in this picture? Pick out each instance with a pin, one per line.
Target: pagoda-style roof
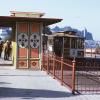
(9, 21)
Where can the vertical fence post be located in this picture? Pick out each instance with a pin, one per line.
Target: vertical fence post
(61, 70)
(73, 76)
(48, 63)
(54, 66)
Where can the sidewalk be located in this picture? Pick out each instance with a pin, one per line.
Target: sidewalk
(5, 62)
(34, 85)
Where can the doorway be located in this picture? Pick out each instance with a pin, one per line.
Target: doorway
(6, 58)
(28, 36)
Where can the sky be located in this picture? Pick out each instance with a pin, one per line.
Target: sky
(78, 14)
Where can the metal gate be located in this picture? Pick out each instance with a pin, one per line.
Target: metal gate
(28, 45)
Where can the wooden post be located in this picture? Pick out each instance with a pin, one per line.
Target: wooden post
(54, 66)
(61, 70)
(42, 61)
(73, 76)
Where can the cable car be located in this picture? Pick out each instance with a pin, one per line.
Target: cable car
(68, 44)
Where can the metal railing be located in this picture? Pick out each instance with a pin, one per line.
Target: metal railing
(80, 75)
(63, 70)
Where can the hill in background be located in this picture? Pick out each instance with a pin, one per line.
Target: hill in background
(84, 33)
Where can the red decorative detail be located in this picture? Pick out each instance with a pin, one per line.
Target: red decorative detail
(22, 63)
(33, 63)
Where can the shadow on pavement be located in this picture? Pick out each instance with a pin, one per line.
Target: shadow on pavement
(4, 83)
(17, 92)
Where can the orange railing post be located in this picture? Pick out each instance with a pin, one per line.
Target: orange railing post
(54, 66)
(61, 70)
(48, 63)
(73, 77)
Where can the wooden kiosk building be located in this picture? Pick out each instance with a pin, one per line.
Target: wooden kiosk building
(27, 30)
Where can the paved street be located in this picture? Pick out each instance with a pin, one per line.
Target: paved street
(34, 85)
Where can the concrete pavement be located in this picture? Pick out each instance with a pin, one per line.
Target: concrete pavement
(34, 85)
(5, 62)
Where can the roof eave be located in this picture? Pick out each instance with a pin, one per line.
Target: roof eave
(46, 21)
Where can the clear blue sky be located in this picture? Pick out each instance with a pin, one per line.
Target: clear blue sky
(75, 13)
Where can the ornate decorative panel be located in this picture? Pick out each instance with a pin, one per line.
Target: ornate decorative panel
(28, 45)
(34, 40)
(22, 40)
(22, 64)
(34, 64)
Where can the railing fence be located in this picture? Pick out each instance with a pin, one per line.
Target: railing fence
(79, 75)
